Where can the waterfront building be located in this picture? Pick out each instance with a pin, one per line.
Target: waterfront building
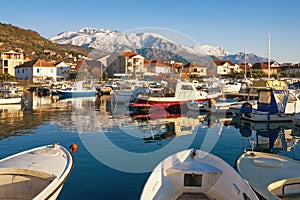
(226, 67)
(63, 71)
(37, 71)
(264, 68)
(195, 70)
(156, 66)
(125, 63)
(9, 60)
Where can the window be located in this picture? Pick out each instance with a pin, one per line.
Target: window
(51, 70)
(186, 87)
(5, 63)
(37, 70)
(18, 71)
(23, 71)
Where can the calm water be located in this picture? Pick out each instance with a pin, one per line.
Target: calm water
(114, 159)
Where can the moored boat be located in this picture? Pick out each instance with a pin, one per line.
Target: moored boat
(279, 177)
(271, 107)
(175, 94)
(232, 87)
(195, 174)
(77, 90)
(37, 173)
(10, 93)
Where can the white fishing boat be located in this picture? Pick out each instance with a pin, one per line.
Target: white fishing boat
(272, 176)
(195, 174)
(174, 94)
(37, 173)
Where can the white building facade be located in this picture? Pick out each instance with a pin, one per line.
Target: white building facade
(63, 71)
(9, 60)
(36, 71)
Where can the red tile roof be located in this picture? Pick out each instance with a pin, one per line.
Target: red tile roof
(153, 63)
(261, 65)
(127, 54)
(36, 63)
(222, 62)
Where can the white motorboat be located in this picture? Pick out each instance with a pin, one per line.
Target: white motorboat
(232, 87)
(9, 100)
(195, 174)
(37, 173)
(77, 90)
(10, 93)
(272, 176)
(271, 107)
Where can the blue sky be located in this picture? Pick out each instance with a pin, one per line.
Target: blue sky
(231, 24)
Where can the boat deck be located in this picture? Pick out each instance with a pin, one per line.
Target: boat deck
(192, 196)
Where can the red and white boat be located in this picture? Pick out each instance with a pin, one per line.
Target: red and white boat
(174, 94)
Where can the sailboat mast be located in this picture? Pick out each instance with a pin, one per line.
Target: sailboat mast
(245, 61)
(269, 56)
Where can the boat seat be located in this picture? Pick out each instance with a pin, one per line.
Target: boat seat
(192, 196)
(18, 183)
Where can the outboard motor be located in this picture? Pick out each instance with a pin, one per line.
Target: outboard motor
(246, 108)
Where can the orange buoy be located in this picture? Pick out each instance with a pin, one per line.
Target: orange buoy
(73, 147)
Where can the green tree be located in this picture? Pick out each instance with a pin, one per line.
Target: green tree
(7, 77)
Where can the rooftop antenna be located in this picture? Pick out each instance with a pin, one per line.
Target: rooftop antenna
(269, 55)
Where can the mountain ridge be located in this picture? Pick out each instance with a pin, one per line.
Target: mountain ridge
(110, 41)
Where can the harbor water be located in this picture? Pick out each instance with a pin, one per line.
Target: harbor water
(117, 150)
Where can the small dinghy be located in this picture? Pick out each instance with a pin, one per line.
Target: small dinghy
(37, 173)
(272, 176)
(195, 174)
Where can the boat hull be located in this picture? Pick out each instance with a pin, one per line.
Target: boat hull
(13, 100)
(195, 173)
(67, 94)
(279, 176)
(257, 117)
(164, 102)
(37, 173)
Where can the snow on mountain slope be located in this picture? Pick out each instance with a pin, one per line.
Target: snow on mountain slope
(110, 41)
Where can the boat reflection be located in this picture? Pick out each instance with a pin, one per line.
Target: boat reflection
(272, 137)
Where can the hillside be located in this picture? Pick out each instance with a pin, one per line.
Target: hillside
(33, 44)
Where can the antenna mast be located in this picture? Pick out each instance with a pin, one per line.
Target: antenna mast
(245, 61)
(269, 56)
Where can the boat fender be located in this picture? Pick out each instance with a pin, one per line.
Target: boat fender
(226, 123)
(73, 147)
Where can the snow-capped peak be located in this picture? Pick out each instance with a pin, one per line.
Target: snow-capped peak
(110, 41)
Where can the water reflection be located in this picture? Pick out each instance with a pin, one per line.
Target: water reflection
(269, 137)
(97, 115)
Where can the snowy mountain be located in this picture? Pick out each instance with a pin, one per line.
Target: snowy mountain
(110, 41)
(240, 58)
